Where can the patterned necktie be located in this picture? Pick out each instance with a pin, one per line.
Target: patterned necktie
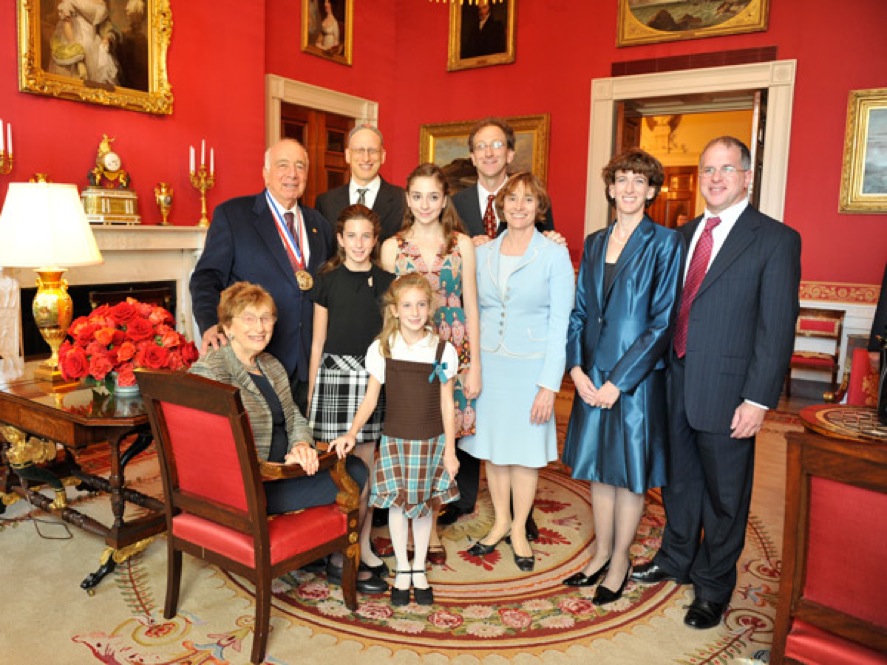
(490, 222)
(362, 196)
(290, 220)
(695, 275)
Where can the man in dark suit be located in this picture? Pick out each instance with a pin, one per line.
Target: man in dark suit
(482, 33)
(365, 154)
(270, 240)
(491, 146)
(732, 343)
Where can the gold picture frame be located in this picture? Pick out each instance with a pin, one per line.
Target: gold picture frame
(117, 59)
(864, 173)
(473, 46)
(642, 22)
(446, 144)
(328, 35)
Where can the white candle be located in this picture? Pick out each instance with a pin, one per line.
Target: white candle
(1, 135)
(203, 152)
(192, 159)
(9, 137)
(212, 161)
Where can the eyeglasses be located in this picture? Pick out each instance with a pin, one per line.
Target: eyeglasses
(494, 145)
(371, 152)
(725, 171)
(252, 319)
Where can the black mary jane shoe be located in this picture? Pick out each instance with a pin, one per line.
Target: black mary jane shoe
(482, 549)
(372, 585)
(401, 597)
(525, 563)
(423, 596)
(604, 596)
(581, 579)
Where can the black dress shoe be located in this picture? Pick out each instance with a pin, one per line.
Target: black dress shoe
(704, 614)
(316, 566)
(651, 573)
(481, 549)
(581, 579)
(525, 563)
(371, 585)
(449, 514)
(603, 595)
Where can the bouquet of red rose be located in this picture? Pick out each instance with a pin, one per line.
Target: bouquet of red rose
(121, 338)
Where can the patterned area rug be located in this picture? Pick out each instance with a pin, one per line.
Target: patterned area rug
(486, 610)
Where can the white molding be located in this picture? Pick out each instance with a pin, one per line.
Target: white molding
(777, 77)
(279, 89)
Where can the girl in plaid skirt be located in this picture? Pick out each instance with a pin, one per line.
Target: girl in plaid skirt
(347, 297)
(417, 461)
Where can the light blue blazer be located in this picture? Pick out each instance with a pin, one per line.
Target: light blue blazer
(529, 317)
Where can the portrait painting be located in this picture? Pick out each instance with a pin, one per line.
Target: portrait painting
(864, 173)
(481, 34)
(446, 144)
(327, 29)
(109, 52)
(652, 21)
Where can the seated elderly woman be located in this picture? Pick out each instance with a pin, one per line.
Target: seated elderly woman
(247, 314)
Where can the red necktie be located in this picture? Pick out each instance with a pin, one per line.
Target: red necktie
(490, 223)
(290, 219)
(695, 275)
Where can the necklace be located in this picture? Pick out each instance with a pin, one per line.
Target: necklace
(614, 235)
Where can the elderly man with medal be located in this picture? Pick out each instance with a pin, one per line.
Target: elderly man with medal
(269, 239)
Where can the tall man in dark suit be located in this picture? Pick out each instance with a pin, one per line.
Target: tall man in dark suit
(270, 240)
(732, 344)
(491, 146)
(366, 154)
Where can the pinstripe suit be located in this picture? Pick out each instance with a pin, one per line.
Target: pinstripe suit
(389, 205)
(739, 341)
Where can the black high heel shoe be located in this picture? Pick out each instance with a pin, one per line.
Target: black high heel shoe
(525, 563)
(581, 579)
(482, 549)
(603, 595)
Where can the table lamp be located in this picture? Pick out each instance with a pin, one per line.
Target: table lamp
(43, 226)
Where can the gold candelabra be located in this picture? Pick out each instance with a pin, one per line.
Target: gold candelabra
(203, 181)
(6, 158)
(6, 161)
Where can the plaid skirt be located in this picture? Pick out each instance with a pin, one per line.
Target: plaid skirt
(339, 389)
(410, 474)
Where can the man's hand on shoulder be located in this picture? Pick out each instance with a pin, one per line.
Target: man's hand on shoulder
(212, 338)
(554, 236)
(482, 239)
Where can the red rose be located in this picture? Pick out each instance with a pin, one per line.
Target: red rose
(159, 315)
(104, 336)
(96, 348)
(143, 308)
(82, 333)
(122, 312)
(73, 362)
(99, 366)
(189, 353)
(139, 329)
(175, 361)
(153, 356)
(125, 375)
(125, 351)
(171, 339)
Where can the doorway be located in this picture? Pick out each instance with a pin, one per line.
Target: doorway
(776, 78)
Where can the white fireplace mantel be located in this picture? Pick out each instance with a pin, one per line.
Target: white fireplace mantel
(139, 254)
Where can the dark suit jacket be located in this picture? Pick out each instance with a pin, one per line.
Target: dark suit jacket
(243, 245)
(389, 205)
(741, 329)
(468, 207)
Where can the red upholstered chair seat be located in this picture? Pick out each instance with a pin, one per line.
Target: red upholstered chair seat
(810, 645)
(812, 358)
(290, 534)
(822, 324)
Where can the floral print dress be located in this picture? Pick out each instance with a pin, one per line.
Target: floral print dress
(445, 276)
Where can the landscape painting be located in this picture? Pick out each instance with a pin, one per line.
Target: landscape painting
(650, 21)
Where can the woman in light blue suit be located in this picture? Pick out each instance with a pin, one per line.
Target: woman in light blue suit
(525, 292)
(629, 280)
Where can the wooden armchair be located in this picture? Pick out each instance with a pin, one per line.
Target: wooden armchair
(822, 324)
(832, 586)
(215, 501)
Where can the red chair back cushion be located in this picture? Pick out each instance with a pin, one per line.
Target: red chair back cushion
(808, 644)
(205, 455)
(820, 325)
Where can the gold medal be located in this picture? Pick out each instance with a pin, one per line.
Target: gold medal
(304, 279)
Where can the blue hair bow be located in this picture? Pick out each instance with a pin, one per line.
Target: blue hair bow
(438, 370)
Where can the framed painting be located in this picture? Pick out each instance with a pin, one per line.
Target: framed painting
(645, 22)
(327, 27)
(481, 34)
(864, 174)
(108, 52)
(446, 144)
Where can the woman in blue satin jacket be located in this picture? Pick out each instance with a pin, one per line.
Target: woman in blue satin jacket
(620, 327)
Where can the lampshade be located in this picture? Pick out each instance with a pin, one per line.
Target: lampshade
(44, 224)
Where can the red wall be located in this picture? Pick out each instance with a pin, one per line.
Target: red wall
(219, 91)
(221, 51)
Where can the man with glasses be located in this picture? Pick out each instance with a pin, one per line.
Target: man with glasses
(491, 145)
(733, 339)
(365, 154)
(271, 240)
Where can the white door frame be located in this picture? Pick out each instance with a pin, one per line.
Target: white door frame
(777, 77)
